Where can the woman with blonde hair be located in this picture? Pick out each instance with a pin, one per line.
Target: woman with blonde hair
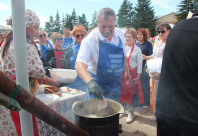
(131, 91)
(55, 57)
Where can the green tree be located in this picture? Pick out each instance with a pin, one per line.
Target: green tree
(57, 23)
(93, 21)
(83, 21)
(145, 16)
(69, 22)
(63, 23)
(75, 19)
(49, 26)
(184, 7)
(125, 14)
(70, 19)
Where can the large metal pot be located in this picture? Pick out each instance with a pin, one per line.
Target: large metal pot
(98, 123)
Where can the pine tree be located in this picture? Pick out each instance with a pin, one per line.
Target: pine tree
(68, 22)
(75, 19)
(144, 16)
(83, 21)
(57, 23)
(125, 14)
(63, 23)
(93, 22)
(196, 5)
(49, 26)
(184, 7)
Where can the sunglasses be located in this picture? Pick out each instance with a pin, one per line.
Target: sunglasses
(42, 35)
(57, 39)
(78, 35)
(161, 32)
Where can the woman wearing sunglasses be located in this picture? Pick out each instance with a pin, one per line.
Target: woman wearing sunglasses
(54, 56)
(44, 43)
(79, 33)
(155, 60)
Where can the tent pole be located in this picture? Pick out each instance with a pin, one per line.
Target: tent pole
(21, 66)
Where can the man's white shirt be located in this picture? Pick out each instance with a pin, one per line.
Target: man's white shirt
(89, 49)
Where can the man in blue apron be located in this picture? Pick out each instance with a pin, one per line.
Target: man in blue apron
(102, 58)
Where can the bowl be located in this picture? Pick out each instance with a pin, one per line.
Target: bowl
(63, 75)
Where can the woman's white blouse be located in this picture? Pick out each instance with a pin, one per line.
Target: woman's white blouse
(135, 59)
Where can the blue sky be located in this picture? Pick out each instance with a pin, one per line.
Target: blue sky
(45, 8)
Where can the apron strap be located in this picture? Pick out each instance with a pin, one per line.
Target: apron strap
(130, 53)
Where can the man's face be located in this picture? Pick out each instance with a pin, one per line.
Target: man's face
(106, 27)
(66, 33)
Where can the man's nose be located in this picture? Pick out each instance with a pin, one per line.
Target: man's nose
(107, 29)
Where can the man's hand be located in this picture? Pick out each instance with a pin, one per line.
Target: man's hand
(95, 89)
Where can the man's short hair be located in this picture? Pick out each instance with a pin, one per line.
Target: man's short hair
(66, 28)
(106, 12)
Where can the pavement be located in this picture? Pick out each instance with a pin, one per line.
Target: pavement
(141, 126)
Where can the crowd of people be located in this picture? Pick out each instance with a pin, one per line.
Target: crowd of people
(110, 65)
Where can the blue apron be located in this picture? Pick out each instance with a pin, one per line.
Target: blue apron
(109, 70)
(78, 83)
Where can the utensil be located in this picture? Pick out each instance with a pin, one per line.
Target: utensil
(59, 94)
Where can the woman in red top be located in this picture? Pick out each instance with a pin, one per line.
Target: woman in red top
(58, 56)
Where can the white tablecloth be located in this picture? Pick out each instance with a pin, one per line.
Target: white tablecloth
(64, 107)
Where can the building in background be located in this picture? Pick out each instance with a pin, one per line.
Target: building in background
(171, 19)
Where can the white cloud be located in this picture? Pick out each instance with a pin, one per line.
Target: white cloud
(165, 4)
(43, 20)
(4, 7)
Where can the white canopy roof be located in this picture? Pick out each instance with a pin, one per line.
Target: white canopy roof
(5, 28)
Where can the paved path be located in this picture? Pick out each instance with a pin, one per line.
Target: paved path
(141, 126)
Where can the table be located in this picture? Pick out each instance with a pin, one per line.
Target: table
(63, 106)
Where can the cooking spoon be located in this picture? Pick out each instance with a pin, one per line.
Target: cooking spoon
(59, 94)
